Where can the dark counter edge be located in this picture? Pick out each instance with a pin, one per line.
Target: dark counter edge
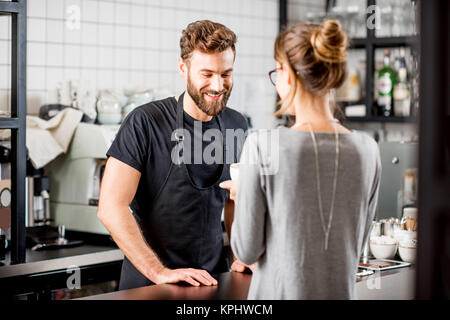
(402, 276)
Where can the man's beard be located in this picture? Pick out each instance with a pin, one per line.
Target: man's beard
(211, 108)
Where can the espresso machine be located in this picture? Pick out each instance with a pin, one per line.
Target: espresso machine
(41, 234)
(37, 190)
(75, 178)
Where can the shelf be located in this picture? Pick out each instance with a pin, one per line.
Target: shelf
(358, 43)
(10, 7)
(395, 41)
(369, 44)
(382, 119)
(383, 42)
(371, 118)
(346, 103)
(9, 123)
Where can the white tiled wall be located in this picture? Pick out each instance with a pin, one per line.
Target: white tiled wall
(136, 42)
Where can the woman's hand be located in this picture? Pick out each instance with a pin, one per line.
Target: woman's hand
(230, 185)
(239, 266)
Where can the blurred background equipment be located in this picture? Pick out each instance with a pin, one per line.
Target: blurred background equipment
(398, 185)
(76, 176)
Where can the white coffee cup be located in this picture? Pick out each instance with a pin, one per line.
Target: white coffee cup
(234, 171)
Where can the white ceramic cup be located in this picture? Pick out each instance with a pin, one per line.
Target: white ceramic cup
(234, 171)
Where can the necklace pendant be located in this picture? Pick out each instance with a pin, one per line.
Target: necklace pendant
(326, 242)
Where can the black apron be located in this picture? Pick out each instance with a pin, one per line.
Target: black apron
(184, 226)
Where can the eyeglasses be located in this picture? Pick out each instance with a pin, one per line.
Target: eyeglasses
(273, 75)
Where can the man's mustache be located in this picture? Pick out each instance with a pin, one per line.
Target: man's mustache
(214, 92)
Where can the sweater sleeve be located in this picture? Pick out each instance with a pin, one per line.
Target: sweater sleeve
(373, 199)
(248, 229)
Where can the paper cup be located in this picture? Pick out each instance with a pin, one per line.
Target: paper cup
(234, 171)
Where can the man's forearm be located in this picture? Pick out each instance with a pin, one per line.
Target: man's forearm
(228, 216)
(228, 219)
(128, 236)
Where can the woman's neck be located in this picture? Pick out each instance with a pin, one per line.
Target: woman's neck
(317, 113)
(312, 109)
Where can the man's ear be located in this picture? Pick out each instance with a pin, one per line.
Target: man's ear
(182, 67)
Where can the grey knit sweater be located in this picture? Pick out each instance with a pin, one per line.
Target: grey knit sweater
(277, 222)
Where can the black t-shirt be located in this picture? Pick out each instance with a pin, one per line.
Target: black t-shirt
(202, 174)
(144, 143)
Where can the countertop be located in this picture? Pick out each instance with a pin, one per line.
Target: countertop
(389, 285)
(231, 286)
(51, 260)
(48, 270)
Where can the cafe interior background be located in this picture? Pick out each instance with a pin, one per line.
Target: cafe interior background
(87, 63)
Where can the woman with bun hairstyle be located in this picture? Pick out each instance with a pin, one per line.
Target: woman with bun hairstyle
(304, 221)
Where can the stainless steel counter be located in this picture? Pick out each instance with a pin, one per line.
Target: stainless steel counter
(49, 270)
(51, 260)
(397, 284)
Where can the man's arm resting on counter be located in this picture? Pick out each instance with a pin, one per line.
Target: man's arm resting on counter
(118, 187)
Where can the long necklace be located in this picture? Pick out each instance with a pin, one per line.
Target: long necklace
(325, 227)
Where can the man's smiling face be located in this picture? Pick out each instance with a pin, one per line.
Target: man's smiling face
(209, 79)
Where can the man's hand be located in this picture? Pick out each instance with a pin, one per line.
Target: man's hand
(239, 266)
(194, 277)
(230, 185)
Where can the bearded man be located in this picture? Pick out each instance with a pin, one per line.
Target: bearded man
(165, 214)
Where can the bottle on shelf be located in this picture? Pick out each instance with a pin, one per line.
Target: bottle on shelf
(402, 92)
(386, 81)
(409, 208)
(350, 91)
(414, 84)
(410, 187)
(396, 55)
(407, 195)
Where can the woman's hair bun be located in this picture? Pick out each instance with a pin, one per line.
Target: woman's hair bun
(329, 42)
(316, 56)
